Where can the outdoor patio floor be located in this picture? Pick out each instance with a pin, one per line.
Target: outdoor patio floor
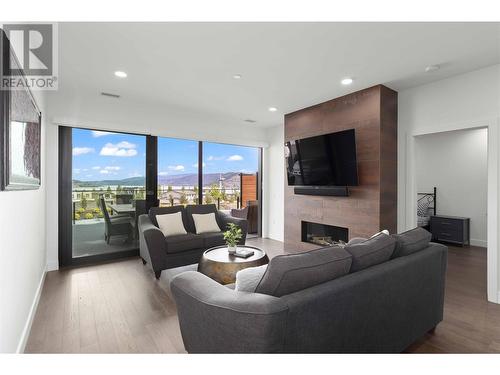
(88, 239)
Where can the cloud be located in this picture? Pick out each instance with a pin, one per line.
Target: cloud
(162, 173)
(112, 168)
(211, 157)
(88, 175)
(104, 171)
(125, 144)
(76, 171)
(96, 168)
(125, 149)
(195, 165)
(82, 150)
(99, 133)
(235, 158)
(176, 167)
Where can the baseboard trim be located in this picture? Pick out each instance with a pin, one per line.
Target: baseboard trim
(29, 321)
(480, 243)
(52, 266)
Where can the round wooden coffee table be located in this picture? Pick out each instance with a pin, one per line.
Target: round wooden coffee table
(219, 265)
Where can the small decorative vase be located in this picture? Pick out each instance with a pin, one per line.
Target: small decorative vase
(231, 249)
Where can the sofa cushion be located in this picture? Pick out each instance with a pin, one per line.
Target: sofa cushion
(183, 242)
(153, 211)
(356, 240)
(373, 251)
(286, 274)
(248, 278)
(199, 209)
(411, 241)
(212, 239)
(171, 224)
(205, 223)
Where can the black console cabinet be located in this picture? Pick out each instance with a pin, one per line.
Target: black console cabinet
(453, 229)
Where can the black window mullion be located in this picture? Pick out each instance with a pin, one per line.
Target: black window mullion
(200, 172)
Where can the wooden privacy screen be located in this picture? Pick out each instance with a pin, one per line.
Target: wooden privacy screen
(248, 186)
(372, 205)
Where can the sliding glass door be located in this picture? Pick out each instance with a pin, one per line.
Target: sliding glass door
(107, 179)
(230, 180)
(177, 172)
(104, 195)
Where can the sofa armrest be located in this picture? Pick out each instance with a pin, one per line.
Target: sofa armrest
(217, 319)
(225, 219)
(152, 244)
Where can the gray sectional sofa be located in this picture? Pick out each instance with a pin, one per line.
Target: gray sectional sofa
(375, 296)
(162, 252)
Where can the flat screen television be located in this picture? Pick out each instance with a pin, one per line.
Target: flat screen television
(325, 160)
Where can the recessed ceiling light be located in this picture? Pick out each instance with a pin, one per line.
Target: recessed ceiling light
(120, 74)
(237, 76)
(431, 68)
(272, 109)
(346, 81)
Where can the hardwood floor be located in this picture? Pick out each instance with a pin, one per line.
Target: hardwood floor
(119, 307)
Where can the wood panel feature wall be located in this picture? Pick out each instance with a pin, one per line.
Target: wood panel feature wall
(248, 188)
(372, 205)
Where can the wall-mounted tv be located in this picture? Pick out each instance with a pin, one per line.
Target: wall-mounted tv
(325, 160)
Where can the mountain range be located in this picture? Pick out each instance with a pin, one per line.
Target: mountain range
(230, 179)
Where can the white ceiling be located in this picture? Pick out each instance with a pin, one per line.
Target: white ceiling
(286, 65)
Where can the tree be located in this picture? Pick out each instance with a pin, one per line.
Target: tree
(83, 202)
(171, 199)
(214, 192)
(208, 199)
(183, 199)
(169, 188)
(183, 188)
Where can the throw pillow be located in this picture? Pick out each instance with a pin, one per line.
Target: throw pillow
(411, 241)
(171, 224)
(385, 231)
(205, 223)
(373, 251)
(247, 279)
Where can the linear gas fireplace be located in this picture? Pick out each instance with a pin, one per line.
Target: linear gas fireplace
(323, 234)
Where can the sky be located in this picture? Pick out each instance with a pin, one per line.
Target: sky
(99, 155)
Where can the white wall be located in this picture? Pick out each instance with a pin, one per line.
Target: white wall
(273, 180)
(22, 254)
(456, 163)
(94, 111)
(460, 102)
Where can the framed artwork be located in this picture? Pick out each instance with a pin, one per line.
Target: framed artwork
(20, 129)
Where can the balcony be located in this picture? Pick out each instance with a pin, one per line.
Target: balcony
(89, 222)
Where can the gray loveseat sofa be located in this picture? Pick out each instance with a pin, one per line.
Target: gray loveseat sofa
(162, 252)
(381, 308)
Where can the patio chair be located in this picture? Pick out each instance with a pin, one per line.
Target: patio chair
(240, 213)
(116, 226)
(124, 198)
(140, 209)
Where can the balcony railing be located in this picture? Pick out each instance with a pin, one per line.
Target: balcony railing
(86, 201)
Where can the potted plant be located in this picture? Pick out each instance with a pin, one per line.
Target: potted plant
(232, 236)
